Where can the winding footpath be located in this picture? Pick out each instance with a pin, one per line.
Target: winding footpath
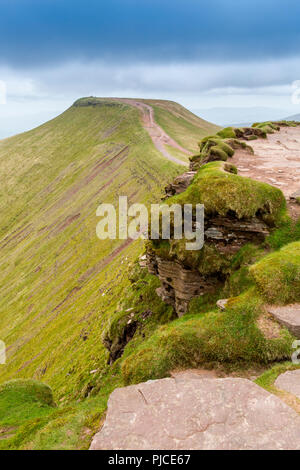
(159, 137)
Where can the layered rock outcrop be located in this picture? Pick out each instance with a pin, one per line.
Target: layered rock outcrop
(180, 184)
(180, 281)
(237, 211)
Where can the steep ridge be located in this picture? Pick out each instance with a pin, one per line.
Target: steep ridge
(54, 177)
(59, 284)
(84, 316)
(174, 130)
(180, 123)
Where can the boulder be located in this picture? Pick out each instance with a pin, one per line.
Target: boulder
(288, 316)
(289, 382)
(180, 184)
(221, 304)
(295, 196)
(197, 413)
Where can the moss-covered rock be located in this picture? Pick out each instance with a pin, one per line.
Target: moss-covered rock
(211, 149)
(275, 125)
(226, 141)
(236, 144)
(227, 132)
(222, 192)
(250, 133)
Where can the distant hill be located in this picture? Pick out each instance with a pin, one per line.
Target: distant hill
(235, 116)
(295, 117)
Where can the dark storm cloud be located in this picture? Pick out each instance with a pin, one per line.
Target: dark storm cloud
(35, 32)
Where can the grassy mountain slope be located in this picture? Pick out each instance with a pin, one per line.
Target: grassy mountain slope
(59, 284)
(52, 264)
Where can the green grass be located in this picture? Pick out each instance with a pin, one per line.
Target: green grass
(177, 153)
(267, 379)
(288, 232)
(212, 148)
(60, 287)
(231, 338)
(59, 284)
(54, 273)
(62, 291)
(240, 279)
(227, 133)
(34, 424)
(24, 399)
(22, 402)
(277, 276)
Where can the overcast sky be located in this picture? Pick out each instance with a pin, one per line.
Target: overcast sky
(220, 54)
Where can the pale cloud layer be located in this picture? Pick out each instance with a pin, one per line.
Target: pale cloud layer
(40, 93)
(217, 54)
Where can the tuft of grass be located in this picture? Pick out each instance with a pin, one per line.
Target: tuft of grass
(268, 127)
(277, 276)
(22, 400)
(227, 133)
(212, 148)
(239, 279)
(287, 232)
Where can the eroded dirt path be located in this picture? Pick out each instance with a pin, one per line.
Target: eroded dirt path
(159, 137)
(276, 161)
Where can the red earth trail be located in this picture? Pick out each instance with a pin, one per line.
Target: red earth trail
(276, 161)
(159, 137)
